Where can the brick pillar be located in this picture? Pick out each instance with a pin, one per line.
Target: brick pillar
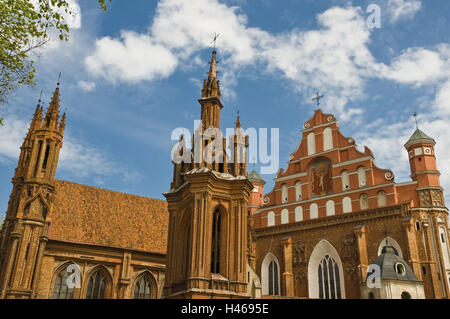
(287, 275)
(432, 262)
(410, 232)
(361, 240)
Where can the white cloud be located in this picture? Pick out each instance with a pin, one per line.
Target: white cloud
(417, 66)
(133, 57)
(403, 9)
(443, 100)
(11, 138)
(86, 86)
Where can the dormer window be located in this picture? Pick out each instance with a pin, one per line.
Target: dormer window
(400, 269)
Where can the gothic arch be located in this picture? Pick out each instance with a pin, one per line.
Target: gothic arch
(218, 237)
(56, 272)
(106, 276)
(270, 286)
(150, 279)
(388, 241)
(321, 251)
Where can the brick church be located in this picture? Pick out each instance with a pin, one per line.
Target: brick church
(332, 222)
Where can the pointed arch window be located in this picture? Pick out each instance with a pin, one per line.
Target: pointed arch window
(215, 247)
(143, 288)
(270, 275)
(60, 289)
(97, 286)
(329, 279)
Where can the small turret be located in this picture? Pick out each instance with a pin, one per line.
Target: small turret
(422, 159)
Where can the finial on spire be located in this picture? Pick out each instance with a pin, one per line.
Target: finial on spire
(415, 118)
(59, 79)
(317, 98)
(216, 35)
(238, 121)
(40, 98)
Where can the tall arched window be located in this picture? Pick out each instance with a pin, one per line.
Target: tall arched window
(330, 208)
(327, 139)
(284, 193)
(298, 190)
(143, 287)
(313, 211)
(347, 205)
(345, 180)
(215, 246)
(97, 286)
(60, 289)
(270, 273)
(284, 216)
(311, 143)
(444, 245)
(325, 272)
(381, 197)
(364, 201)
(298, 213)
(329, 279)
(271, 219)
(361, 176)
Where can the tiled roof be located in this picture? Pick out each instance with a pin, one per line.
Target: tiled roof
(86, 214)
(419, 136)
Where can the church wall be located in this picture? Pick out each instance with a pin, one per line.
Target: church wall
(339, 232)
(122, 266)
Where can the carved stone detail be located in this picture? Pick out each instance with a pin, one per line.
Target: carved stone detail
(425, 198)
(349, 249)
(299, 257)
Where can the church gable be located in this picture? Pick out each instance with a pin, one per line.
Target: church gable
(85, 214)
(326, 175)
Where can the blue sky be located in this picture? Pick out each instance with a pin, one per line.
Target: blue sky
(133, 74)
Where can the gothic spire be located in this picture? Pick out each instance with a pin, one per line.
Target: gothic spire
(211, 87)
(52, 115)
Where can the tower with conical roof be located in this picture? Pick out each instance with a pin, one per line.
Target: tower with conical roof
(24, 232)
(430, 209)
(208, 204)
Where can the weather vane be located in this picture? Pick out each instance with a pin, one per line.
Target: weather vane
(415, 118)
(317, 98)
(216, 35)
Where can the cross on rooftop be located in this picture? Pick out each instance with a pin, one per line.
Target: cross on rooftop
(317, 98)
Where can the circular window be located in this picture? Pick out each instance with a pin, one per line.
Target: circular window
(400, 269)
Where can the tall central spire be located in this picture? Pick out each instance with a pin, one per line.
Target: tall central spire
(210, 100)
(211, 87)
